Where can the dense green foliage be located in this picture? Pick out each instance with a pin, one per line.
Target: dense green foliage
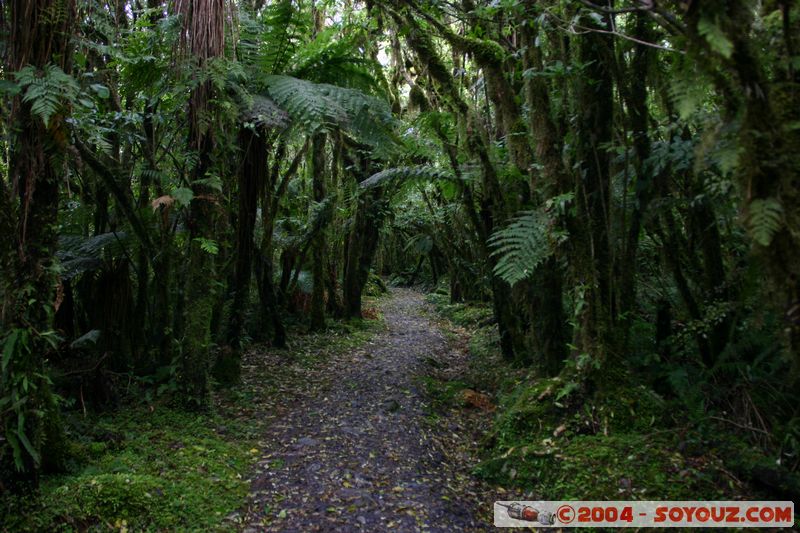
(612, 185)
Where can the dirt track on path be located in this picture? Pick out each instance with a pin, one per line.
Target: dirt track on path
(357, 453)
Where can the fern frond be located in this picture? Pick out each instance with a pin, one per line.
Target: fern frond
(78, 254)
(331, 58)
(316, 106)
(370, 119)
(46, 90)
(523, 245)
(320, 215)
(716, 38)
(263, 112)
(764, 219)
(420, 244)
(420, 173)
(306, 103)
(284, 27)
(688, 90)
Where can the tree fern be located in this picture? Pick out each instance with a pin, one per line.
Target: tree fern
(369, 118)
(306, 103)
(523, 245)
(420, 244)
(263, 112)
(291, 233)
(320, 216)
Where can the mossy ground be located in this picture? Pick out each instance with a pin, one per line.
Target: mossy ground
(153, 467)
(144, 468)
(555, 441)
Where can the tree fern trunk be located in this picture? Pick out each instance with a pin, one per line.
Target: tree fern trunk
(204, 31)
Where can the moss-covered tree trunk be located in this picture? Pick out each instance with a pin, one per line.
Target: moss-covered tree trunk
(272, 298)
(637, 101)
(362, 243)
(492, 208)
(592, 260)
(252, 175)
(767, 107)
(204, 27)
(318, 246)
(362, 240)
(40, 35)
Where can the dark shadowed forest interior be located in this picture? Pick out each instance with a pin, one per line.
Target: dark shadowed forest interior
(333, 265)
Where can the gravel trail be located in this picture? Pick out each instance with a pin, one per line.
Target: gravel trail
(360, 452)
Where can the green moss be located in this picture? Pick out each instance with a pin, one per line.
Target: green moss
(598, 467)
(527, 412)
(228, 368)
(553, 437)
(375, 286)
(485, 51)
(438, 299)
(461, 314)
(170, 470)
(442, 394)
(632, 409)
(484, 342)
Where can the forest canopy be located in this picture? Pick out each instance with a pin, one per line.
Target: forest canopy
(618, 182)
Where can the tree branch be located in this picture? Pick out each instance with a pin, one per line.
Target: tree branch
(106, 174)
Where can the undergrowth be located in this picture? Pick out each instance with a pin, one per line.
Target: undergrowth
(554, 440)
(154, 467)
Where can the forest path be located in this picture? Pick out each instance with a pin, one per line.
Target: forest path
(356, 453)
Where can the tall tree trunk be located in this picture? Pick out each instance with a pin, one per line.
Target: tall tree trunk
(592, 244)
(205, 33)
(28, 219)
(274, 190)
(252, 175)
(318, 246)
(493, 205)
(362, 241)
(545, 295)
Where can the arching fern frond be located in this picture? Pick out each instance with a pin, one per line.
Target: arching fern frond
(316, 106)
(320, 216)
(263, 112)
(420, 173)
(523, 245)
(306, 103)
(79, 254)
(332, 58)
(284, 26)
(290, 233)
